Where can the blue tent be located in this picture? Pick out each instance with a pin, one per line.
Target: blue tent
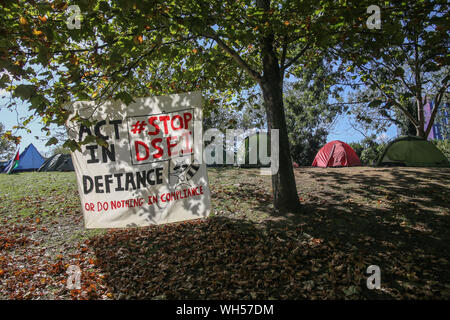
(29, 160)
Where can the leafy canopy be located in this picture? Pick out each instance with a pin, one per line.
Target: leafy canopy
(407, 59)
(132, 48)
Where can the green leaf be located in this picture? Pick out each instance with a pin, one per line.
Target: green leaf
(431, 67)
(3, 80)
(83, 96)
(24, 91)
(37, 100)
(89, 139)
(399, 72)
(125, 97)
(51, 141)
(350, 290)
(375, 103)
(104, 6)
(43, 55)
(72, 145)
(101, 142)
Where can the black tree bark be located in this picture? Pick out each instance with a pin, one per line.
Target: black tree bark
(283, 182)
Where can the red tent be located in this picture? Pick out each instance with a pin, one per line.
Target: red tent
(336, 154)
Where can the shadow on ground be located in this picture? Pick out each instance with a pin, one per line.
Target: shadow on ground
(396, 218)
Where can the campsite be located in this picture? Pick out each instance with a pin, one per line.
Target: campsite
(31, 160)
(205, 151)
(396, 218)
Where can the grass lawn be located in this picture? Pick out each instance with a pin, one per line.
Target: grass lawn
(351, 218)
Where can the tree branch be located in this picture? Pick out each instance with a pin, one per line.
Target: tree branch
(293, 60)
(253, 74)
(437, 102)
(283, 53)
(392, 98)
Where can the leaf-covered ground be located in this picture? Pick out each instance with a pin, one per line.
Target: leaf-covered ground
(396, 218)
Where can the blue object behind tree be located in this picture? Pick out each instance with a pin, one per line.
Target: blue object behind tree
(29, 160)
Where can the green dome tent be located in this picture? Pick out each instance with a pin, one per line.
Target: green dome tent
(412, 152)
(250, 148)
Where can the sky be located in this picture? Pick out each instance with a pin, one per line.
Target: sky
(9, 119)
(343, 131)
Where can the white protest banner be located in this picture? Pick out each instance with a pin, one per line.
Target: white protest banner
(147, 173)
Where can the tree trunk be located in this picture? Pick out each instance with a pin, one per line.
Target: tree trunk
(285, 195)
(420, 129)
(420, 132)
(284, 189)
